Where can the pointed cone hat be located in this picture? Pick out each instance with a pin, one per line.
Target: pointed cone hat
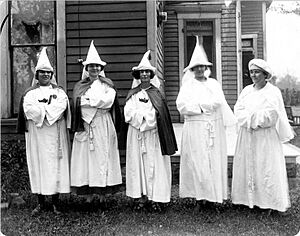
(145, 63)
(199, 57)
(43, 61)
(43, 64)
(93, 56)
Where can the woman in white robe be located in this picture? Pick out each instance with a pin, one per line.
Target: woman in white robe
(42, 117)
(259, 170)
(150, 140)
(203, 159)
(95, 160)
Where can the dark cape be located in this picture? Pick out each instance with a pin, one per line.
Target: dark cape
(22, 120)
(166, 133)
(79, 89)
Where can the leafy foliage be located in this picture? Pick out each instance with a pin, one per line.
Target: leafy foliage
(286, 7)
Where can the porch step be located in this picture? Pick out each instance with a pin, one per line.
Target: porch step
(291, 153)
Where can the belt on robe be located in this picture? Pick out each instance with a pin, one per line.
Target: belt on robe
(141, 137)
(59, 150)
(91, 135)
(100, 112)
(209, 121)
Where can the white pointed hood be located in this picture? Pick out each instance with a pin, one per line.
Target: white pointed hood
(93, 56)
(43, 64)
(145, 63)
(199, 57)
(43, 61)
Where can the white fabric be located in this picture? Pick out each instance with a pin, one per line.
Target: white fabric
(193, 94)
(99, 95)
(259, 171)
(43, 64)
(268, 99)
(95, 156)
(43, 61)
(47, 147)
(203, 161)
(155, 81)
(85, 73)
(189, 75)
(145, 63)
(93, 56)
(260, 63)
(35, 81)
(199, 56)
(148, 172)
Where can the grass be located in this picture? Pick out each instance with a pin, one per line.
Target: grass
(119, 219)
(178, 219)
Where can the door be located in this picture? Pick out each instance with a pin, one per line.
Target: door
(204, 30)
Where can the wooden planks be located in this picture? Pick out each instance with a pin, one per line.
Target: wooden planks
(119, 31)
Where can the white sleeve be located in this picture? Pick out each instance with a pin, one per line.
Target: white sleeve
(185, 105)
(33, 109)
(57, 106)
(264, 118)
(133, 116)
(101, 96)
(149, 119)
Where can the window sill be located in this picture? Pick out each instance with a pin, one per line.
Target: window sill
(9, 126)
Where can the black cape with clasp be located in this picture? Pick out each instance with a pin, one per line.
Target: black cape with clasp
(79, 89)
(166, 133)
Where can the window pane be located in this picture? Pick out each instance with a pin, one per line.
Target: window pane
(32, 22)
(204, 29)
(24, 62)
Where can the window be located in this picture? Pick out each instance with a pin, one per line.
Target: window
(32, 26)
(249, 51)
(208, 27)
(204, 29)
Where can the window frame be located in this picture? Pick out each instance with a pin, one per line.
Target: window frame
(188, 34)
(216, 18)
(6, 53)
(252, 49)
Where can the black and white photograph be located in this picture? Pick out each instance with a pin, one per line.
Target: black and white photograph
(150, 117)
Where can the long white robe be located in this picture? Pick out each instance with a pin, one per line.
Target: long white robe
(95, 157)
(148, 172)
(47, 147)
(259, 170)
(203, 160)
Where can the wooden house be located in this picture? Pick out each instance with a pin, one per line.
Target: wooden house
(232, 33)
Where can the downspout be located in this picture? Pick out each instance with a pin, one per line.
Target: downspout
(264, 22)
(61, 44)
(238, 46)
(152, 37)
(151, 30)
(5, 69)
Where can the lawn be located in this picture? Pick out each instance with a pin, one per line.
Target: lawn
(179, 218)
(78, 218)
